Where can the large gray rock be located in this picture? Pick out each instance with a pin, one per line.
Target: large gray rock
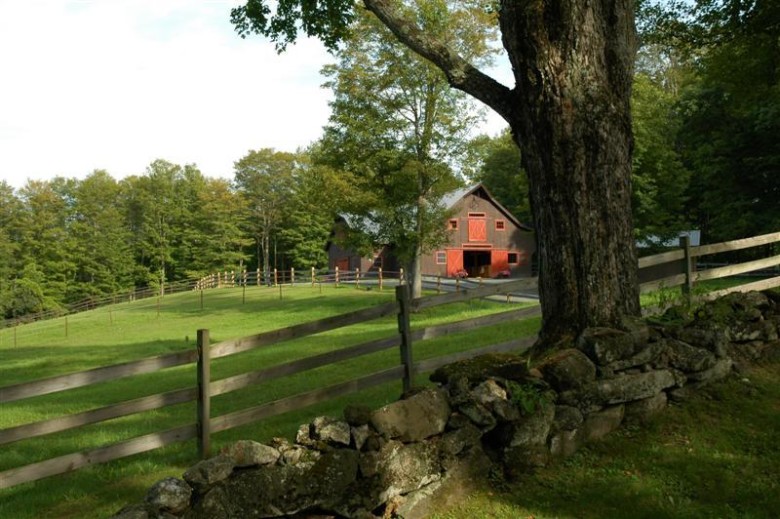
(416, 418)
(247, 453)
(708, 335)
(278, 490)
(525, 441)
(607, 345)
(463, 475)
(488, 392)
(401, 468)
(565, 443)
(754, 331)
(497, 365)
(209, 472)
(597, 425)
(646, 355)
(688, 358)
(568, 369)
(720, 370)
(169, 495)
(330, 431)
(567, 418)
(492, 396)
(454, 442)
(624, 388)
(479, 415)
(642, 410)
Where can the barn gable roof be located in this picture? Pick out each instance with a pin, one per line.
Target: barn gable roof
(449, 201)
(480, 190)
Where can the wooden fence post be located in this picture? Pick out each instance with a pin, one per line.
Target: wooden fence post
(457, 283)
(276, 277)
(292, 276)
(404, 329)
(401, 276)
(438, 284)
(357, 278)
(258, 279)
(687, 287)
(380, 279)
(337, 277)
(312, 277)
(204, 395)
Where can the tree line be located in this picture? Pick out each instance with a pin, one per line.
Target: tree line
(66, 240)
(705, 113)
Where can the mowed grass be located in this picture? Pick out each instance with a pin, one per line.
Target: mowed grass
(145, 328)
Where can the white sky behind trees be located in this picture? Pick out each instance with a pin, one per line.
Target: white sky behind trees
(116, 84)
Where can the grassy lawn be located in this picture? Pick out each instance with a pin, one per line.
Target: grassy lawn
(140, 329)
(716, 456)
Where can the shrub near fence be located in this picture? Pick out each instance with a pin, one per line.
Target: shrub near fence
(207, 388)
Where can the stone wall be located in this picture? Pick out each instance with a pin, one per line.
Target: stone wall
(485, 414)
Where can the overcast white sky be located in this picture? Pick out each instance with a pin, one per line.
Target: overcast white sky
(116, 84)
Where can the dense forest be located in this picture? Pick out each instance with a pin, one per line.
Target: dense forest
(706, 121)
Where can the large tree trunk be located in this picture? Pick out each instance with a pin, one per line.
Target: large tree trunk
(573, 64)
(569, 113)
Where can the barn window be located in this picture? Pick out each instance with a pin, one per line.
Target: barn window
(453, 224)
(500, 225)
(513, 258)
(441, 257)
(476, 215)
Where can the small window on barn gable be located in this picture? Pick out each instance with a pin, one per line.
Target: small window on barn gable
(441, 257)
(500, 225)
(476, 215)
(453, 224)
(513, 258)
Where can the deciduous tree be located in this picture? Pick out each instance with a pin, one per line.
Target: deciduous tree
(265, 179)
(398, 130)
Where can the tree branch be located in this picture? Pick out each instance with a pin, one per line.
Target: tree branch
(460, 73)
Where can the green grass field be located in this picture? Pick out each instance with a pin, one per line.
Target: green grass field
(141, 329)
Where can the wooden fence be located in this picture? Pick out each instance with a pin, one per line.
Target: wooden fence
(686, 256)
(205, 424)
(275, 277)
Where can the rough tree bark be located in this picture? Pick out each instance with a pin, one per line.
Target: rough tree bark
(569, 113)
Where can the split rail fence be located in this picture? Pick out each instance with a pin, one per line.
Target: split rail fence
(205, 425)
(206, 388)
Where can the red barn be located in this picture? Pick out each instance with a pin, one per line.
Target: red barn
(486, 240)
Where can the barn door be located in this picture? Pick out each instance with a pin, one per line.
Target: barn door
(499, 262)
(454, 262)
(477, 229)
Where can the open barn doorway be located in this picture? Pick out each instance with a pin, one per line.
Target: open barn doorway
(477, 263)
